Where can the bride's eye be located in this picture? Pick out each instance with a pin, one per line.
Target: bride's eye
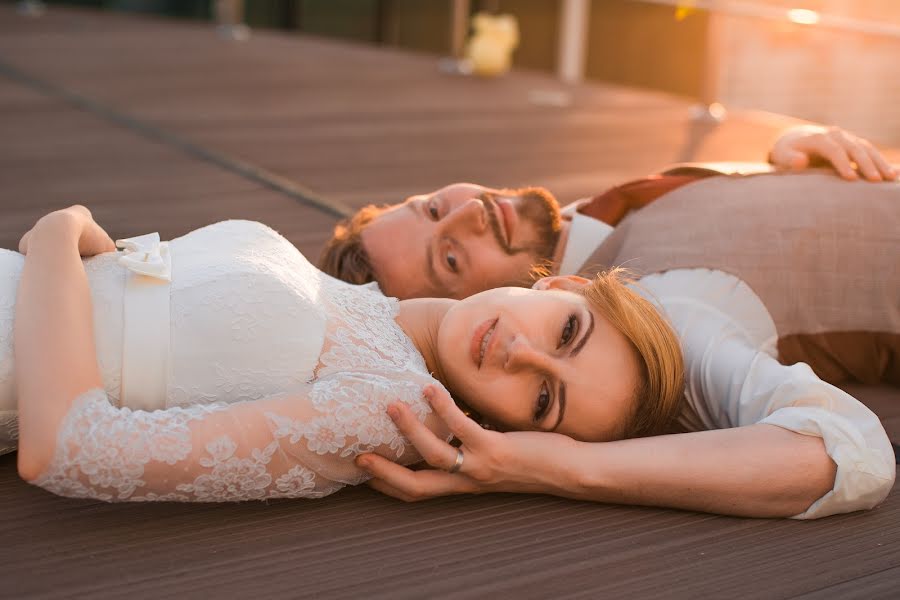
(543, 403)
(451, 261)
(570, 329)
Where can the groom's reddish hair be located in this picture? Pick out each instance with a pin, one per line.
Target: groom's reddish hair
(344, 256)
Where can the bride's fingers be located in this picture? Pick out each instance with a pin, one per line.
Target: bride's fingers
(434, 450)
(461, 426)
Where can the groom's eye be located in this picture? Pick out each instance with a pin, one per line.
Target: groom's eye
(433, 210)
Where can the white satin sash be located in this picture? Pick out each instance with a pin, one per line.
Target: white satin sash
(145, 339)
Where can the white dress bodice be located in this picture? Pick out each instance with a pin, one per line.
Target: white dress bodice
(243, 318)
(249, 318)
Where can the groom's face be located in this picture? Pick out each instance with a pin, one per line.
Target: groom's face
(460, 240)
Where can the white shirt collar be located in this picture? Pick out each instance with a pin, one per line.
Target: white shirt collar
(585, 235)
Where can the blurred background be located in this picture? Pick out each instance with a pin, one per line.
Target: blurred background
(168, 115)
(830, 61)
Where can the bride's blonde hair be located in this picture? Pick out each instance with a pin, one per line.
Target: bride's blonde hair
(660, 389)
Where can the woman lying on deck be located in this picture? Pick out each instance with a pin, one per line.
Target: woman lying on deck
(223, 366)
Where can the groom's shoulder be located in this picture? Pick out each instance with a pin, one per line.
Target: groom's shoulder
(732, 168)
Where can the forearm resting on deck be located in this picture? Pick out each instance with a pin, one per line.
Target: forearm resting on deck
(754, 471)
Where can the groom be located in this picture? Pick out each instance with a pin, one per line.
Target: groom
(465, 238)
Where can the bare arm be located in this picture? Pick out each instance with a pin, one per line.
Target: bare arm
(724, 471)
(54, 334)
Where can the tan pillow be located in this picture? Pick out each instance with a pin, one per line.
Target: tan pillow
(822, 253)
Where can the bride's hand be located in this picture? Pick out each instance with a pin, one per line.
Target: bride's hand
(492, 461)
(92, 239)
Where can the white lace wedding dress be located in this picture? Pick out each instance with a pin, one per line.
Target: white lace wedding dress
(233, 369)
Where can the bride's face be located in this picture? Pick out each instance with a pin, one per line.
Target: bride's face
(529, 359)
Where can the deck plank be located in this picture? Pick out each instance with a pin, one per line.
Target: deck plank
(358, 542)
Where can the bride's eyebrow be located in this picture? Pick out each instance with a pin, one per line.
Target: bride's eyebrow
(561, 390)
(590, 329)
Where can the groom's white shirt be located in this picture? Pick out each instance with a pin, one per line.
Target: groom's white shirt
(585, 235)
(733, 377)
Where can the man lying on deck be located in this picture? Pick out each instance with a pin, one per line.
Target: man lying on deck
(755, 272)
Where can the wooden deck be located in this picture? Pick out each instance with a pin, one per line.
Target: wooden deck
(160, 125)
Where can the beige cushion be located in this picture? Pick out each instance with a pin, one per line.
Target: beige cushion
(822, 253)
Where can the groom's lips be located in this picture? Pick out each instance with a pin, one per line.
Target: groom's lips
(509, 218)
(478, 338)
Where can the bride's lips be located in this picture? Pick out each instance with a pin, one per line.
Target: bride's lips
(478, 339)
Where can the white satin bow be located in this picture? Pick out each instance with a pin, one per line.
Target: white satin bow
(146, 255)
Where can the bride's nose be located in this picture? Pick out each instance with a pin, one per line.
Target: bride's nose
(469, 216)
(522, 354)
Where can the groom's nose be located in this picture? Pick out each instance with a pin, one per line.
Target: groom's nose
(469, 217)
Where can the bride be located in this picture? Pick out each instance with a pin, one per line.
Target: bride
(223, 366)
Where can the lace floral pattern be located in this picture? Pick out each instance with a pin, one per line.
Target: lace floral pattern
(101, 450)
(285, 421)
(10, 269)
(231, 477)
(116, 454)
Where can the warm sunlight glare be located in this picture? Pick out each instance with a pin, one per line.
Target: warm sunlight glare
(803, 16)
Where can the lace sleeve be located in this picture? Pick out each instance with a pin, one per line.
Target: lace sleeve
(295, 445)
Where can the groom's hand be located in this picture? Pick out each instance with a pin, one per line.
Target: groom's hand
(849, 155)
(492, 461)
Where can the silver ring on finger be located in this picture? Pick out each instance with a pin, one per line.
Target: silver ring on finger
(457, 465)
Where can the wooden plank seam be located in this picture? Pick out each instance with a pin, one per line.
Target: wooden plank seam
(229, 163)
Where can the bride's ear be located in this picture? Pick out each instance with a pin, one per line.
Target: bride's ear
(569, 283)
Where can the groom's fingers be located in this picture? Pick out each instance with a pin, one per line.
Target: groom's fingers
(434, 450)
(864, 163)
(461, 426)
(836, 154)
(884, 167)
(400, 482)
(389, 490)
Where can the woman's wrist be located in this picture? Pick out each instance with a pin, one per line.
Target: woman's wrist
(60, 222)
(58, 229)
